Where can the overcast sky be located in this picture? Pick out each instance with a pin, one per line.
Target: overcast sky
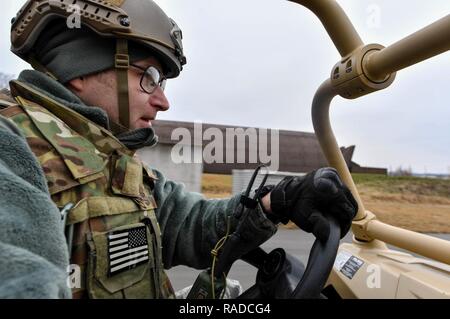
(259, 62)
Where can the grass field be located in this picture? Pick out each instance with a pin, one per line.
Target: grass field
(419, 204)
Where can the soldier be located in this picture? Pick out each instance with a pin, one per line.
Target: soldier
(84, 111)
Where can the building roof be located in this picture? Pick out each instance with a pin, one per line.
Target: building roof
(298, 151)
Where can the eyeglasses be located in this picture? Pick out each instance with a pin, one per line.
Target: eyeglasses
(151, 78)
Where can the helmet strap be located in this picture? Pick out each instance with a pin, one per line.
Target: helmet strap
(122, 63)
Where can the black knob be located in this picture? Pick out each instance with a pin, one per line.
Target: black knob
(125, 21)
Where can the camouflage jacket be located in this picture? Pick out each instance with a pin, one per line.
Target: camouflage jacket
(190, 225)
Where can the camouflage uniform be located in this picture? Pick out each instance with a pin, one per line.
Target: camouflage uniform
(87, 166)
(113, 191)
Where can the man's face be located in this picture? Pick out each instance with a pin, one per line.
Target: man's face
(101, 90)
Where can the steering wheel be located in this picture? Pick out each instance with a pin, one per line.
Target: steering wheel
(279, 273)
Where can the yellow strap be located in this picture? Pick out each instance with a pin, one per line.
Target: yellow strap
(215, 253)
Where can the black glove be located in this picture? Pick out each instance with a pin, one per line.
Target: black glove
(305, 200)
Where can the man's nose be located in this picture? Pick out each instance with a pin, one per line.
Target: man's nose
(159, 100)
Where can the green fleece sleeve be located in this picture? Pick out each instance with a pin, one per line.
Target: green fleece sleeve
(192, 225)
(33, 254)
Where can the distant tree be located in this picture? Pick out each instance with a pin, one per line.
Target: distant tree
(4, 80)
(400, 171)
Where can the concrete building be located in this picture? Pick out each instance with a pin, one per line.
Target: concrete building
(186, 150)
(161, 157)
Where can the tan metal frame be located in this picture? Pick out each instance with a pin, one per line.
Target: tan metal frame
(365, 69)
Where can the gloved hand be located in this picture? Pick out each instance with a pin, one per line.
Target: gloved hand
(305, 200)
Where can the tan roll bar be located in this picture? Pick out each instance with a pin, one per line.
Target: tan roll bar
(365, 69)
(335, 21)
(421, 45)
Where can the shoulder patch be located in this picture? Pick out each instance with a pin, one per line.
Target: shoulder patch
(80, 155)
(58, 176)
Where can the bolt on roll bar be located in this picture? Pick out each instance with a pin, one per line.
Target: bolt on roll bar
(365, 69)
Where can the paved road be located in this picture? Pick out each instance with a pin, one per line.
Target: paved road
(295, 242)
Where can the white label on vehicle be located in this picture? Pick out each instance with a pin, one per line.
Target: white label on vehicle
(341, 260)
(347, 264)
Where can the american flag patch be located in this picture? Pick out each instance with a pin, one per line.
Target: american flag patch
(127, 249)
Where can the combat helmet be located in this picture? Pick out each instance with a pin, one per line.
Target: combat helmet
(140, 21)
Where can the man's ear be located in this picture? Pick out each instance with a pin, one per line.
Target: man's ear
(77, 84)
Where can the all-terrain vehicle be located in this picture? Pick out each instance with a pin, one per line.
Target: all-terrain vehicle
(365, 268)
